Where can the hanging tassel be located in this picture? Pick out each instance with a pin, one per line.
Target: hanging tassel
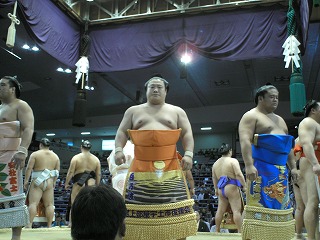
(297, 94)
(12, 28)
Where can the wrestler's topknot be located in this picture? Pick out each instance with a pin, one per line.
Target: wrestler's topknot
(45, 142)
(224, 149)
(307, 108)
(86, 144)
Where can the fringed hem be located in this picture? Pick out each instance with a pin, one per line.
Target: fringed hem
(165, 229)
(264, 223)
(14, 217)
(261, 230)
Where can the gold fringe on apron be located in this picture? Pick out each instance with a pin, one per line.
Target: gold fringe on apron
(262, 223)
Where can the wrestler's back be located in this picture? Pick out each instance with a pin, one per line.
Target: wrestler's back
(268, 123)
(306, 122)
(224, 167)
(155, 117)
(85, 162)
(45, 159)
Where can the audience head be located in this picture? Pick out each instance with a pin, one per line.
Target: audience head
(224, 149)
(262, 91)
(98, 213)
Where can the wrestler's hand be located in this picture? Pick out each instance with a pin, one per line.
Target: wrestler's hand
(216, 192)
(25, 186)
(251, 173)
(186, 163)
(295, 175)
(316, 169)
(19, 160)
(66, 186)
(119, 158)
(192, 191)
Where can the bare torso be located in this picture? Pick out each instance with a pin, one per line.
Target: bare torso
(224, 166)
(159, 117)
(85, 162)
(9, 112)
(267, 123)
(45, 159)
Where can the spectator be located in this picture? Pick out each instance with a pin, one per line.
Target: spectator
(98, 213)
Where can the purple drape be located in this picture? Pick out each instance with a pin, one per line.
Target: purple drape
(55, 32)
(6, 3)
(240, 34)
(227, 35)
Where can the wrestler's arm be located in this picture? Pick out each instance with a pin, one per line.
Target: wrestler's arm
(238, 173)
(246, 132)
(30, 166)
(70, 173)
(186, 138)
(122, 137)
(190, 181)
(57, 167)
(215, 181)
(292, 165)
(25, 116)
(98, 172)
(307, 134)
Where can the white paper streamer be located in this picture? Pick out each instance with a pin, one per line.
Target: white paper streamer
(82, 68)
(291, 51)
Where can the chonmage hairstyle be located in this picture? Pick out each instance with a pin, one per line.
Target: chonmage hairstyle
(310, 105)
(86, 144)
(98, 213)
(224, 149)
(45, 142)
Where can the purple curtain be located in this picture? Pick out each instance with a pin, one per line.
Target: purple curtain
(240, 34)
(52, 29)
(226, 35)
(5, 3)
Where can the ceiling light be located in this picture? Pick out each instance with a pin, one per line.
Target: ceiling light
(60, 69)
(85, 133)
(186, 58)
(35, 48)
(89, 0)
(206, 128)
(26, 46)
(50, 134)
(67, 70)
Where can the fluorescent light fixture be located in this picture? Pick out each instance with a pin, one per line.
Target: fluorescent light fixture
(50, 134)
(85, 133)
(26, 46)
(67, 70)
(60, 69)
(35, 48)
(89, 0)
(206, 128)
